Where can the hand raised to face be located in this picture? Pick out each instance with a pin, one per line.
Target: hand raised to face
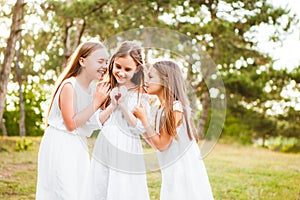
(101, 93)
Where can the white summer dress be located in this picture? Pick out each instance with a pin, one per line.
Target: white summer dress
(183, 171)
(63, 159)
(117, 166)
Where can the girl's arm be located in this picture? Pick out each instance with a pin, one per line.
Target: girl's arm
(160, 140)
(130, 118)
(104, 115)
(72, 119)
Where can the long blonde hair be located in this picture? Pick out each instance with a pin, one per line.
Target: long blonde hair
(134, 50)
(73, 67)
(174, 90)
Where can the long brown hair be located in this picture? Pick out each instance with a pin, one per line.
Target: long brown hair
(134, 50)
(73, 67)
(174, 90)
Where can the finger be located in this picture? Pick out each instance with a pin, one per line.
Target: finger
(107, 84)
(104, 85)
(99, 87)
(99, 84)
(108, 90)
(107, 93)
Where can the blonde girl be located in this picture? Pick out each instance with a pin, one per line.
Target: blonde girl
(183, 172)
(63, 159)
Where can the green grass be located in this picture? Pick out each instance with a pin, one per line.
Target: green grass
(235, 172)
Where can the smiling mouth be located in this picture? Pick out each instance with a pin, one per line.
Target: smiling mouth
(120, 76)
(101, 72)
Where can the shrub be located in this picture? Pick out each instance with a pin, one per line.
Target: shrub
(23, 144)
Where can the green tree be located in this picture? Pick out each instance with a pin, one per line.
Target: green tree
(10, 53)
(224, 29)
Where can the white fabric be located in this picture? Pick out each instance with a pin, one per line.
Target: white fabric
(177, 106)
(81, 101)
(117, 166)
(184, 174)
(63, 159)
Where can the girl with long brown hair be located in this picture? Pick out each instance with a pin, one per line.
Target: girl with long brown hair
(183, 172)
(63, 160)
(117, 166)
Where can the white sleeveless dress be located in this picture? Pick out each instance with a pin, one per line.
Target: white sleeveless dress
(117, 167)
(63, 159)
(183, 171)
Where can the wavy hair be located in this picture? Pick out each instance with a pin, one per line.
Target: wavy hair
(174, 90)
(73, 67)
(134, 50)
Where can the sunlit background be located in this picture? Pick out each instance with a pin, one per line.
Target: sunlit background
(269, 39)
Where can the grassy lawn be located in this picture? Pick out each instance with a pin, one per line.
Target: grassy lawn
(235, 172)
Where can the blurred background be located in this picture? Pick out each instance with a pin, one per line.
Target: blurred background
(247, 40)
(254, 45)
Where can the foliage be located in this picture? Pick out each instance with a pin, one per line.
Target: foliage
(284, 144)
(23, 144)
(33, 112)
(229, 36)
(236, 131)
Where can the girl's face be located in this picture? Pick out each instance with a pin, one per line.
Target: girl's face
(124, 69)
(95, 64)
(153, 83)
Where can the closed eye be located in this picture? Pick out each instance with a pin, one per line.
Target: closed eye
(118, 66)
(102, 61)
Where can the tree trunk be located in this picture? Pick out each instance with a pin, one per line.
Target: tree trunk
(10, 52)
(4, 131)
(22, 129)
(71, 41)
(205, 101)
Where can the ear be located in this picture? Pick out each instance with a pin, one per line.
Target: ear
(81, 61)
(137, 69)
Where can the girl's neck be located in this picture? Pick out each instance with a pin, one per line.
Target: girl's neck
(83, 81)
(161, 98)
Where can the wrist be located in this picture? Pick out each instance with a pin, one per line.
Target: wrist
(150, 132)
(145, 122)
(95, 105)
(122, 105)
(113, 107)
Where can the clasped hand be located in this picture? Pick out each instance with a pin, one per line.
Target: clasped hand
(117, 95)
(141, 113)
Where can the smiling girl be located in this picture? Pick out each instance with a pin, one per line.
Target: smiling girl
(117, 168)
(63, 159)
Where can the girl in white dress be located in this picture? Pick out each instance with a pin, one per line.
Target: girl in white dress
(117, 166)
(63, 159)
(183, 172)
